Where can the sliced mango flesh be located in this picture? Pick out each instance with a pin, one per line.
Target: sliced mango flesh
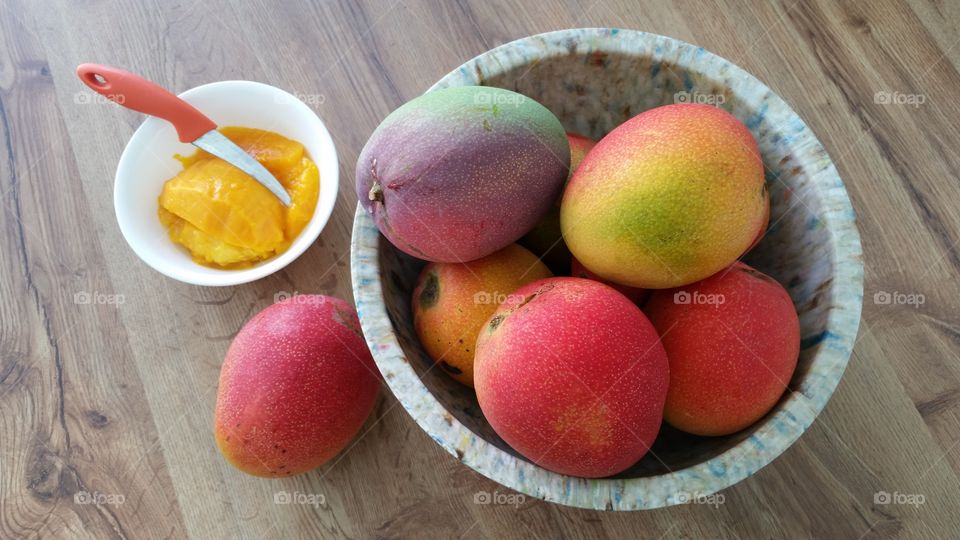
(303, 185)
(224, 217)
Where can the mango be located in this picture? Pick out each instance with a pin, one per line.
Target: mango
(670, 197)
(459, 173)
(297, 384)
(571, 374)
(733, 340)
(545, 239)
(452, 301)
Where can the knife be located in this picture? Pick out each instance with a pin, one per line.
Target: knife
(136, 93)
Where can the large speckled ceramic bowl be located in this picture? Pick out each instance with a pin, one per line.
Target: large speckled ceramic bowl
(593, 80)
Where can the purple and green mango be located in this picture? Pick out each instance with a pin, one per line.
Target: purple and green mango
(459, 173)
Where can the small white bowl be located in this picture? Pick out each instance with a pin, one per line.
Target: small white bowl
(147, 162)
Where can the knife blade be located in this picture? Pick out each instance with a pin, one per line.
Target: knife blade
(217, 144)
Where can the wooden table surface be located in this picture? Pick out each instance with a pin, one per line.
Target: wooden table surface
(108, 370)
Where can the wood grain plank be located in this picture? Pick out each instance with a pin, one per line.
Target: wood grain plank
(77, 414)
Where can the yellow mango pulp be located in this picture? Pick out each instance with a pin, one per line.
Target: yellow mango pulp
(224, 217)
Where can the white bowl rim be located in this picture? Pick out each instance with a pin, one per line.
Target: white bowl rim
(772, 438)
(328, 164)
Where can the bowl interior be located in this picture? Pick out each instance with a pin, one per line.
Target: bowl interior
(593, 93)
(147, 162)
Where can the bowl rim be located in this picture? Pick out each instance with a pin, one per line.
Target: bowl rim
(327, 162)
(771, 438)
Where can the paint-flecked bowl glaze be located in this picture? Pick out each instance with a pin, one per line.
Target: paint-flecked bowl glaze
(593, 80)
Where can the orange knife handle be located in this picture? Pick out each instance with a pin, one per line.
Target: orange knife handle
(135, 92)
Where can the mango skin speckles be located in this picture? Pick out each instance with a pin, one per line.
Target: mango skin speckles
(571, 374)
(297, 384)
(733, 347)
(671, 196)
(459, 173)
